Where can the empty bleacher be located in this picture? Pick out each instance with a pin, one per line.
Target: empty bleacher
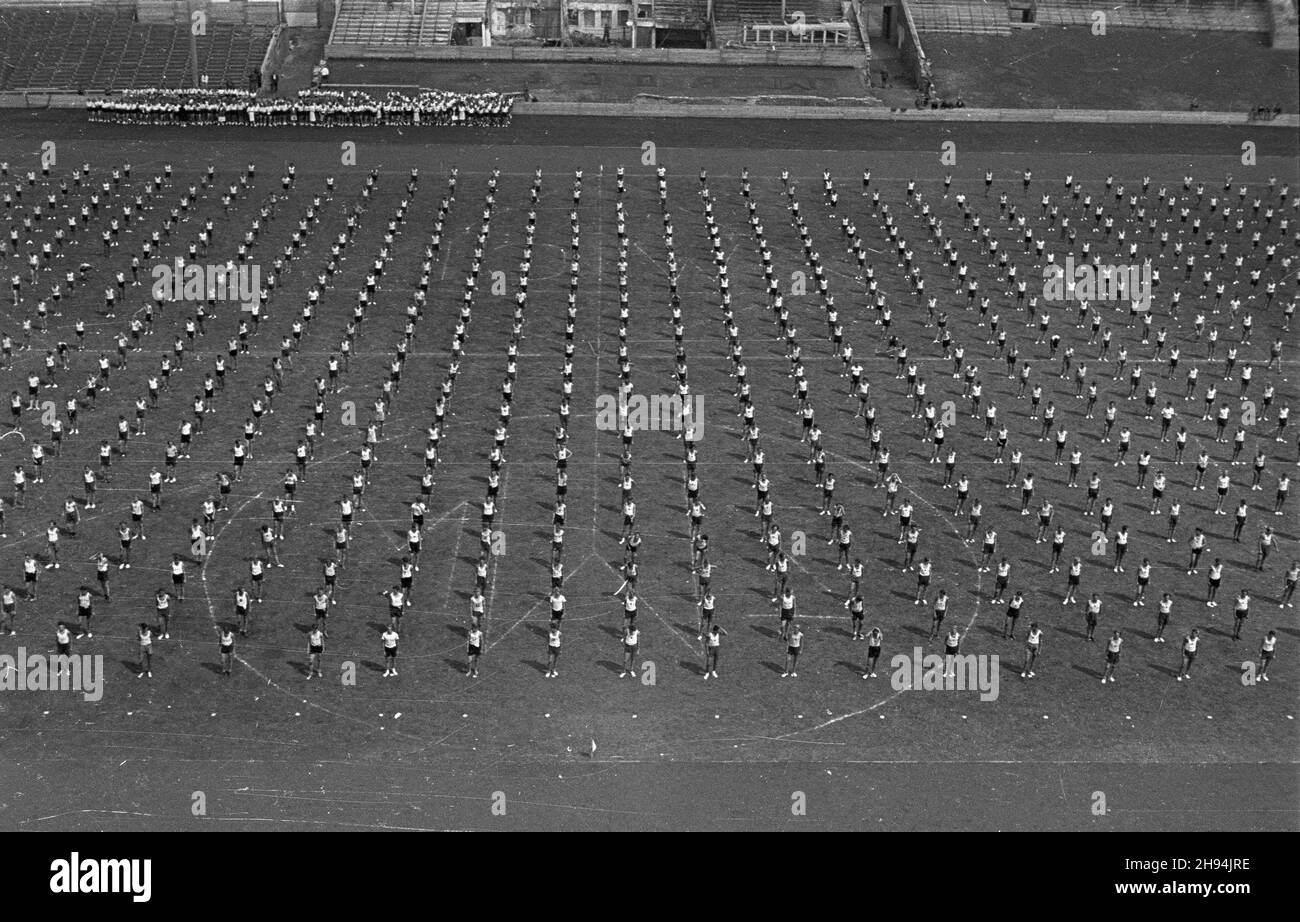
(401, 22)
(731, 16)
(991, 17)
(75, 47)
(439, 17)
(688, 13)
(969, 17)
(378, 22)
(1197, 15)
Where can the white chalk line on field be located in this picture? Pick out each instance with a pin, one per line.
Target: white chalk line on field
(671, 629)
(203, 578)
(496, 558)
(969, 624)
(455, 555)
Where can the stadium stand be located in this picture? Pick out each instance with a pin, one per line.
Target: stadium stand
(106, 49)
(977, 18)
(1202, 15)
(393, 22)
(379, 22)
(734, 20)
(685, 13)
(440, 17)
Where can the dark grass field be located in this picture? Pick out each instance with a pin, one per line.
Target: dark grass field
(1047, 67)
(1070, 68)
(430, 749)
(594, 82)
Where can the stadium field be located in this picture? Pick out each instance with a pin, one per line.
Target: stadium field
(436, 749)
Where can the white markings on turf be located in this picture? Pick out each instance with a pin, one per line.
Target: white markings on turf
(642, 599)
(979, 577)
(496, 559)
(455, 555)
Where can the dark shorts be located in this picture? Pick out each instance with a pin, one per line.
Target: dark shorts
(1112, 656)
(793, 651)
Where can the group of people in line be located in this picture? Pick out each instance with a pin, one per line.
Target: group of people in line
(316, 107)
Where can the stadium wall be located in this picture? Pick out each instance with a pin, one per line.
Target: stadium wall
(301, 12)
(909, 48)
(860, 17)
(798, 56)
(277, 53)
(38, 99)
